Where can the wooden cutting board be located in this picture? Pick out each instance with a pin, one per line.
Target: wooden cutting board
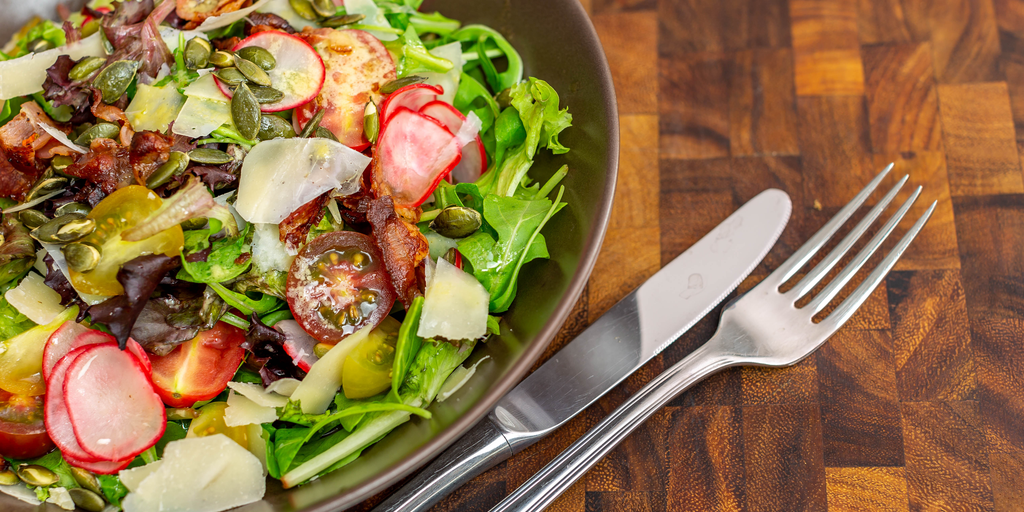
(918, 403)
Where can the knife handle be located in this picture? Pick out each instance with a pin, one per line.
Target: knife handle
(551, 481)
(477, 451)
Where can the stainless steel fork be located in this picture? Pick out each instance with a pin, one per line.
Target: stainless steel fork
(764, 327)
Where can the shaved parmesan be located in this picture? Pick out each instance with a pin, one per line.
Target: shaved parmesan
(449, 82)
(199, 117)
(131, 478)
(200, 474)
(278, 176)
(457, 379)
(455, 305)
(374, 17)
(35, 300)
(154, 108)
(63, 139)
(317, 390)
(268, 251)
(205, 87)
(284, 387)
(215, 22)
(25, 75)
(257, 394)
(242, 411)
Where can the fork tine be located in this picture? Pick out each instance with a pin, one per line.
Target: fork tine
(854, 301)
(807, 251)
(822, 299)
(822, 269)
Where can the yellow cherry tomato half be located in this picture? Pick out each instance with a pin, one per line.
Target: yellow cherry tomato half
(367, 368)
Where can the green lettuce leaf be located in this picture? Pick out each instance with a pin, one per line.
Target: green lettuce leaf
(12, 322)
(228, 257)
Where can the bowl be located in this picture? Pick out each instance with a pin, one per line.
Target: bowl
(559, 45)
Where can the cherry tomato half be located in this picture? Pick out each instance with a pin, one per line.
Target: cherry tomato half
(199, 369)
(367, 368)
(338, 285)
(22, 432)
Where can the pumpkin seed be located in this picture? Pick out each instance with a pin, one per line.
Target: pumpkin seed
(273, 127)
(182, 413)
(61, 162)
(324, 133)
(303, 8)
(100, 131)
(254, 73)
(47, 232)
(321, 349)
(90, 28)
(398, 83)
(371, 122)
(32, 218)
(230, 76)
(341, 21)
(310, 129)
(222, 59)
(36, 475)
(259, 56)
(209, 156)
(245, 111)
(75, 230)
(325, 8)
(174, 166)
(197, 53)
(81, 257)
(46, 186)
(8, 477)
(457, 222)
(87, 500)
(114, 80)
(86, 479)
(108, 47)
(72, 208)
(86, 68)
(266, 94)
(39, 45)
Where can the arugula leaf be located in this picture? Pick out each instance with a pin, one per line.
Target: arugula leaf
(433, 364)
(113, 490)
(173, 432)
(513, 74)
(413, 56)
(496, 262)
(268, 434)
(246, 304)
(509, 132)
(408, 344)
(472, 96)
(227, 259)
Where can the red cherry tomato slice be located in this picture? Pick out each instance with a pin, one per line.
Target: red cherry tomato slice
(338, 285)
(22, 432)
(199, 369)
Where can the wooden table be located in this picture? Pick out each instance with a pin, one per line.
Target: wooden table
(918, 403)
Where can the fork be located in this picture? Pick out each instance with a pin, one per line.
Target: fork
(763, 327)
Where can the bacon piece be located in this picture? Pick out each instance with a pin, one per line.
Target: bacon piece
(149, 150)
(401, 244)
(107, 164)
(109, 113)
(257, 22)
(22, 136)
(196, 11)
(296, 226)
(14, 182)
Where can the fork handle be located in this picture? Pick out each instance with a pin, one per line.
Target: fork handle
(553, 479)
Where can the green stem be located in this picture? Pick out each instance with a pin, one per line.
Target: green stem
(275, 317)
(474, 55)
(421, 55)
(235, 320)
(552, 182)
(149, 456)
(430, 215)
(390, 30)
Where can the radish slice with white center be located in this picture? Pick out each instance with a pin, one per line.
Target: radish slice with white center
(298, 344)
(412, 97)
(114, 411)
(55, 412)
(59, 344)
(414, 154)
(299, 72)
(474, 157)
(103, 467)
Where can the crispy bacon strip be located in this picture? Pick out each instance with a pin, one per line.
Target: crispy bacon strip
(196, 11)
(107, 164)
(108, 113)
(149, 150)
(403, 246)
(296, 226)
(14, 183)
(21, 137)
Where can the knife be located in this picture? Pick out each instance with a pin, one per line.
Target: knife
(633, 331)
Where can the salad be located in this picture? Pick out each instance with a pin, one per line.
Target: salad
(245, 238)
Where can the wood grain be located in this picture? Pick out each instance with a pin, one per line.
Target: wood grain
(866, 488)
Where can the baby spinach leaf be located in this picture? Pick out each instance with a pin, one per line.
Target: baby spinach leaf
(408, 344)
(226, 258)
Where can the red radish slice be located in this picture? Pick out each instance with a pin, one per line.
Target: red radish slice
(55, 412)
(102, 467)
(60, 343)
(357, 66)
(298, 344)
(412, 97)
(474, 157)
(414, 154)
(299, 72)
(114, 411)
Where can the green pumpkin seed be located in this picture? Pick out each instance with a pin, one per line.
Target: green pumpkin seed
(197, 53)
(87, 500)
(86, 479)
(37, 475)
(254, 73)
(108, 47)
(304, 8)
(371, 122)
(324, 8)
(324, 133)
(245, 112)
(32, 218)
(209, 156)
(398, 83)
(266, 94)
(310, 129)
(230, 76)
(72, 208)
(114, 80)
(222, 59)
(8, 477)
(86, 68)
(47, 232)
(457, 222)
(90, 28)
(174, 166)
(100, 131)
(45, 186)
(75, 230)
(259, 56)
(61, 162)
(341, 21)
(39, 45)
(81, 257)
(273, 127)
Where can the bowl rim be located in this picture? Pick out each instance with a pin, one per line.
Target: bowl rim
(440, 442)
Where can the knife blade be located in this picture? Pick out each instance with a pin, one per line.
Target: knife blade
(632, 332)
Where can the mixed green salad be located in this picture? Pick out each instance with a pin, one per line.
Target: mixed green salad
(245, 238)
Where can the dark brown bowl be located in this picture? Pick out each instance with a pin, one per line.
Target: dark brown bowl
(559, 45)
